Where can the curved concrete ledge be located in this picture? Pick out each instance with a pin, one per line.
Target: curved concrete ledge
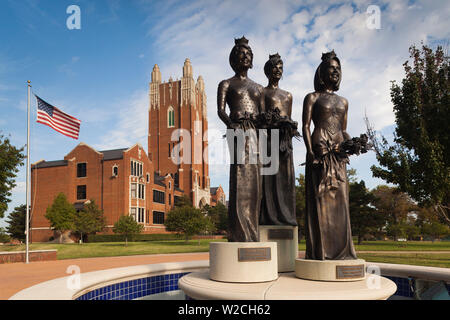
(60, 289)
(409, 271)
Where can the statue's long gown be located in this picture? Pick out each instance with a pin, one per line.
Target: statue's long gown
(328, 231)
(278, 202)
(245, 186)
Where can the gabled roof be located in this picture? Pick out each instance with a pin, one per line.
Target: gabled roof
(49, 164)
(213, 190)
(113, 154)
(107, 155)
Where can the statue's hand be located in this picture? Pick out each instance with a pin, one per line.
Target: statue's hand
(234, 125)
(311, 158)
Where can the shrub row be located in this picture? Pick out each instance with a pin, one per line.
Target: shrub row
(137, 237)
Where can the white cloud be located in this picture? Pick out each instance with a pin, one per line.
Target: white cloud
(19, 188)
(131, 126)
(300, 31)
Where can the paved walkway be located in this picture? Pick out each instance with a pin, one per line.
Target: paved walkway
(18, 276)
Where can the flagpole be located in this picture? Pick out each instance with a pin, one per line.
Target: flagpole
(27, 219)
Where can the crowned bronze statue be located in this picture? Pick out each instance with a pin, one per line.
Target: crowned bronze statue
(278, 201)
(245, 99)
(328, 232)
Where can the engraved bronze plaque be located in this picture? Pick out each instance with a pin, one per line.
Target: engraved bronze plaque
(280, 234)
(350, 272)
(254, 254)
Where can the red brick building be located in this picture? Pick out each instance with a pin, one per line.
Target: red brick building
(218, 195)
(176, 105)
(128, 181)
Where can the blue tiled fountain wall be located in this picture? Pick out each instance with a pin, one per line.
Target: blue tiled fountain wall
(133, 289)
(406, 286)
(138, 288)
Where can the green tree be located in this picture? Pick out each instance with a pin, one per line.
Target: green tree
(61, 215)
(396, 231)
(218, 215)
(363, 216)
(127, 226)
(89, 220)
(425, 215)
(419, 160)
(188, 220)
(300, 202)
(182, 201)
(394, 207)
(436, 230)
(351, 175)
(16, 222)
(10, 158)
(4, 237)
(411, 231)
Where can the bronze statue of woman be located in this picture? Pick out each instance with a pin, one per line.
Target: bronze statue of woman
(328, 232)
(245, 99)
(278, 201)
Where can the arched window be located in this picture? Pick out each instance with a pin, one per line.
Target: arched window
(170, 117)
(115, 170)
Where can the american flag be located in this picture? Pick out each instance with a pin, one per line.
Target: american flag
(57, 120)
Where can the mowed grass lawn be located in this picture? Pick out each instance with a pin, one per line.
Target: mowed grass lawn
(111, 249)
(432, 253)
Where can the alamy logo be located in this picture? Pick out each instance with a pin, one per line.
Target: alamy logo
(73, 281)
(244, 147)
(373, 20)
(74, 20)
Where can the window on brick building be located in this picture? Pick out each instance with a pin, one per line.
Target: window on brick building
(170, 199)
(81, 192)
(141, 191)
(158, 217)
(170, 117)
(158, 196)
(136, 168)
(115, 171)
(133, 187)
(81, 170)
(148, 177)
(133, 213)
(197, 124)
(141, 215)
(177, 180)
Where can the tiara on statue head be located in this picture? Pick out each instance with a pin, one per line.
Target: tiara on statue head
(274, 56)
(328, 56)
(240, 42)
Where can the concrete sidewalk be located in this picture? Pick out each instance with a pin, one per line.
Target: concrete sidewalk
(18, 276)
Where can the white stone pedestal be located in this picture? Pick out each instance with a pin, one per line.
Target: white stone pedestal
(198, 286)
(330, 270)
(286, 238)
(243, 261)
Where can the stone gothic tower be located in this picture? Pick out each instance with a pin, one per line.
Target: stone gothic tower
(180, 104)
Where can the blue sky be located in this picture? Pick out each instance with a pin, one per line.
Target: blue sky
(100, 73)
